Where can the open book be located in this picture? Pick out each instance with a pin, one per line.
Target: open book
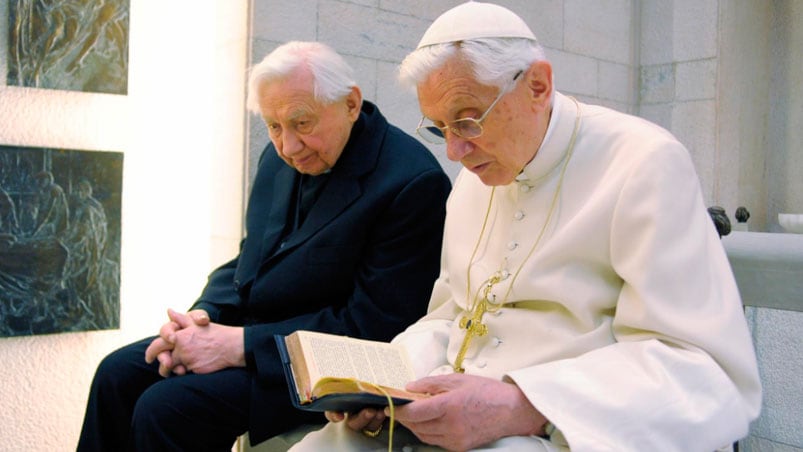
(339, 373)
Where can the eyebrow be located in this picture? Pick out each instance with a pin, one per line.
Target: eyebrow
(299, 113)
(292, 116)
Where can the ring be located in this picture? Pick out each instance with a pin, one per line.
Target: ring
(372, 433)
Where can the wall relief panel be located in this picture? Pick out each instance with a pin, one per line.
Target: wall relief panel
(59, 240)
(75, 45)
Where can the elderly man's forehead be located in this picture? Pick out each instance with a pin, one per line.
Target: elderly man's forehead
(452, 89)
(455, 71)
(293, 111)
(289, 98)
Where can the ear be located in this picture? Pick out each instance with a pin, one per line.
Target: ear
(539, 83)
(354, 103)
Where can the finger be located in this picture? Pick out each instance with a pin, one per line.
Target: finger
(358, 421)
(150, 353)
(180, 370)
(420, 410)
(156, 346)
(168, 331)
(165, 359)
(164, 370)
(375, 422)
(182, 320)
(378, 418)
(199, 316)
(334, 416)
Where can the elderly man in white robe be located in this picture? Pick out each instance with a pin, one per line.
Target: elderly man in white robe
(585, 301)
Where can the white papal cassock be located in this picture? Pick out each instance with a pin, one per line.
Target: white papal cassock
(623, 326)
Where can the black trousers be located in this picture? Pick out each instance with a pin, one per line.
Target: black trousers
(131, 407)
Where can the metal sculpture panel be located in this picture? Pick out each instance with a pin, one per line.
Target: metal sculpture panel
(76, 45)
(59, 240)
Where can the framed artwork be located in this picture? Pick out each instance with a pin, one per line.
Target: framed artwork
(59, 240)
(75, 45)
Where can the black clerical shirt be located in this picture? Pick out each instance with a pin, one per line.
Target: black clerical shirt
(308, 190)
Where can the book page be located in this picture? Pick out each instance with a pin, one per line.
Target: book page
(298, 366)
(338, 356)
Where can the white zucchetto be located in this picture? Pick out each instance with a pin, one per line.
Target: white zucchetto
(473, 20)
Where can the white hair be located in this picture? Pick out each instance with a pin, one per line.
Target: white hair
(333, 78)
(495, 61)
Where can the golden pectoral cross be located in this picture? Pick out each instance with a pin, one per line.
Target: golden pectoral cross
(473, 323)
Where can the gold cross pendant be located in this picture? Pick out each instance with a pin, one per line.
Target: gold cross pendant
(473, 325)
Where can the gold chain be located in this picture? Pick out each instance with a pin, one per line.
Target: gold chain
(479, 306)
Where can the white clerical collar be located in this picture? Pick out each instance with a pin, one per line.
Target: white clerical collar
(556, 140)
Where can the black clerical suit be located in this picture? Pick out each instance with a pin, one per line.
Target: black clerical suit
(361, 263)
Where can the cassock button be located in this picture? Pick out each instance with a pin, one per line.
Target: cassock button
(519, 215)
(512, 245)
(524, 188)
(281, 245)
(496, 341)
(482, 364)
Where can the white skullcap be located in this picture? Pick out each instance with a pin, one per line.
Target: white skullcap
(473, 20)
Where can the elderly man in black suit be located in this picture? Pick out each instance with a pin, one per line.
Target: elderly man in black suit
(344, 226)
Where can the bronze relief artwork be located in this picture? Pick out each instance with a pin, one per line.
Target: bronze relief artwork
(76, 45)
(59, 240)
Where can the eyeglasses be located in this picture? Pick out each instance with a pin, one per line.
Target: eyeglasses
(466, 128)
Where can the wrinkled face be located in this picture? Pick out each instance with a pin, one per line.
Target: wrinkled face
(512, 131)
(308, 135)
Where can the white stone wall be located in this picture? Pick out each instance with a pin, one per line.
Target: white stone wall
(678, 68)
(785, 138)
(777, 337)
(769, 272)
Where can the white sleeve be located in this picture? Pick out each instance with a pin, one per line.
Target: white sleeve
(427, 339)
(426, 343)
(682, 374)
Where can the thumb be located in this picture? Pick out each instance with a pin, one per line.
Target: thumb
(199, 316)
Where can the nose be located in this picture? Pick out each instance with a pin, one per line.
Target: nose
(457, 148)
(291, 144)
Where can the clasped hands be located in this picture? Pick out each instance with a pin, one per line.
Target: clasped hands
(192, 343)
(464, 412)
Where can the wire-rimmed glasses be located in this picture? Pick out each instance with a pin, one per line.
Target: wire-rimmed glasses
(466, 128)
